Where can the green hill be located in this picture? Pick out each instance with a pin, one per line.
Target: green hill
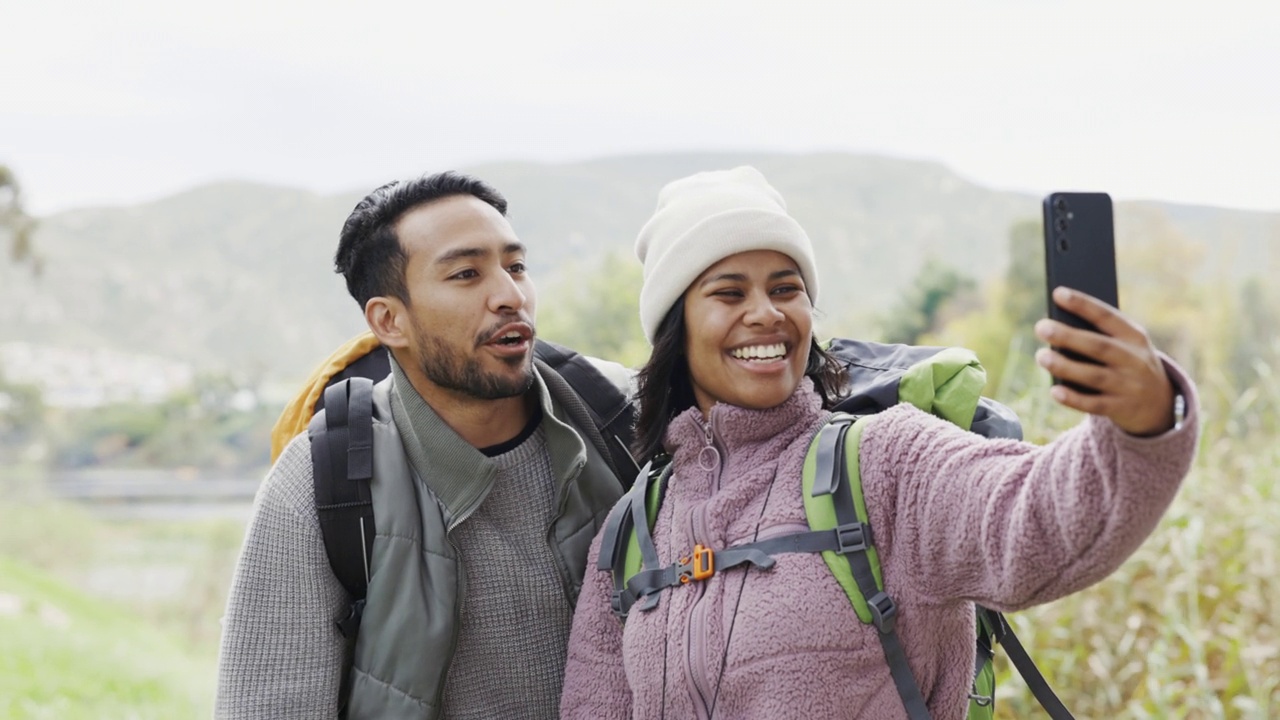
(238, 275)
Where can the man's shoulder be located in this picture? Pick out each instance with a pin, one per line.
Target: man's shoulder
(290, 480)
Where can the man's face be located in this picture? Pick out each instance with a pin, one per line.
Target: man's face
(471, 306)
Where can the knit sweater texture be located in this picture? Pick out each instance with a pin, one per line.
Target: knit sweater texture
(282, 656)
(509, 662)
(957, 519)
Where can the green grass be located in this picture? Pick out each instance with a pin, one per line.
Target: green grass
(67, 655)
(81, 636)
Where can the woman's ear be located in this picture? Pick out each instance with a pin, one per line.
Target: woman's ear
(388, 319)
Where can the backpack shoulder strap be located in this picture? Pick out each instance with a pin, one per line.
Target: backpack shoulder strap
(948, 385)
(833, 498)
(296, 416)
(626, 548)
(342, 466)
(999, 631)
(610, 410)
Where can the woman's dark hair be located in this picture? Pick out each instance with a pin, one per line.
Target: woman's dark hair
(666, 390)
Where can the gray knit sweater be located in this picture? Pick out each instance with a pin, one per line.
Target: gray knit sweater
(279, 662)
(515, 617)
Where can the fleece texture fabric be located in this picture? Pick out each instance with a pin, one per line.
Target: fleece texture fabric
(957, 518)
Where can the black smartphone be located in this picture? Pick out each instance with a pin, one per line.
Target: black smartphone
(1079, 253)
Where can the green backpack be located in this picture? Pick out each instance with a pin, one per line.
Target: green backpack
(948, 383)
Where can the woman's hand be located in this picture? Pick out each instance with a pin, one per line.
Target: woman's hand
(1133, 389)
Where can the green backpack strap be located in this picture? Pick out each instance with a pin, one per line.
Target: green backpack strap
(838, 502)
(949, 385)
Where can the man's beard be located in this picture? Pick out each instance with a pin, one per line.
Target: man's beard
(452, 371)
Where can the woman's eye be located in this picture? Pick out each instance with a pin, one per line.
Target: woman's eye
(518, 268)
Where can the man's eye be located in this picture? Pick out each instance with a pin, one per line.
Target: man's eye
(464, 275)
(518, 268)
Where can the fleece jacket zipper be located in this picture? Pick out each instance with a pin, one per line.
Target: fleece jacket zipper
(696, 660)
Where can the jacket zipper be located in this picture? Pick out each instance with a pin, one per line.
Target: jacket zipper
(457, 624)
(696, 664)
(561, 502)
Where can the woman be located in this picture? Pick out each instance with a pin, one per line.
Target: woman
(735, 390)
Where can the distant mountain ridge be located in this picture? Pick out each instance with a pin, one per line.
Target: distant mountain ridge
(239, 275)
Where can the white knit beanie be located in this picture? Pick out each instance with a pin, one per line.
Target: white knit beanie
(703, 219)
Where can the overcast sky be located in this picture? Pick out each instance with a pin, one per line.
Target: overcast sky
(130, 100)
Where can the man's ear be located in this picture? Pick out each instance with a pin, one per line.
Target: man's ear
(388, 319)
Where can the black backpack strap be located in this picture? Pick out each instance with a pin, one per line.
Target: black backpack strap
(342, 466)
(1036, 683)
(883, 609)
(611, 411)
(374, 365)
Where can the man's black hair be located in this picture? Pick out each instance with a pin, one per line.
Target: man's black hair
(370, 255)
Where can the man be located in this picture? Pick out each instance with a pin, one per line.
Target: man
(486, 496)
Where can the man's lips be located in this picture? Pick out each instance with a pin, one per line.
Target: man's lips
(511, 335)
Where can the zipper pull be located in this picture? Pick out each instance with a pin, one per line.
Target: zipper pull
(708, 456)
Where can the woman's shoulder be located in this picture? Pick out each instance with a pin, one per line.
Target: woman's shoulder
(906, 436)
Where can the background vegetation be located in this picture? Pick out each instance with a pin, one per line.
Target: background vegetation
(119, 619)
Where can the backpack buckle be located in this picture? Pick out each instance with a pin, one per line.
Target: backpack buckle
(853, 537)
(350, 624)
(884, 612)
(700, 566)
(615, 603)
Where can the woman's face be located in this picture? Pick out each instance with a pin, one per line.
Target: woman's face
(748, 327)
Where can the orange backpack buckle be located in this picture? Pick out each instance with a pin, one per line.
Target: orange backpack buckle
(699, 567)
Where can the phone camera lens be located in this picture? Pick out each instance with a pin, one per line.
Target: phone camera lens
(1060, 223)
(1060, 204)
(1063, 243)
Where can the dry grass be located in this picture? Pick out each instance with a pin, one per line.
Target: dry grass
(1189, 627)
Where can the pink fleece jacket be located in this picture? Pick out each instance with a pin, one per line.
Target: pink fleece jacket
(957, 519)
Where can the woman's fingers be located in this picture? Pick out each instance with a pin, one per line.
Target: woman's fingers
(1134, 390)
(1109, 320)
(1090, 375)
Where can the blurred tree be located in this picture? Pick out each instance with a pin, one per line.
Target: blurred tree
(1256, 349)
(1157, 264)
(15, 222)
(21, 413)
(1024, 298)
(920, 309)
(594, 309)
(178, 432)
(1000, 330)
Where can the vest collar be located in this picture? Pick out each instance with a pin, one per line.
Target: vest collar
(459, 475)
